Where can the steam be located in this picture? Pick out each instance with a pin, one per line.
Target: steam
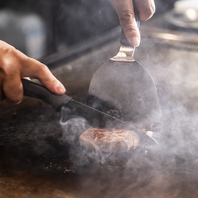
(163, 168)
(171, 169)
(80, 152)
(72, 127)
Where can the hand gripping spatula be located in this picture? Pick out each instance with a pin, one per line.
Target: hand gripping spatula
(128, 85)
(73, 108)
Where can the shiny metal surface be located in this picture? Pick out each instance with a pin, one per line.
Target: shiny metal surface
(125, 54)
(41, 169)
(171, 36)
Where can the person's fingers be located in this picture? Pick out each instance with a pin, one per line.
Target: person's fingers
(15, 65)
(10, 82)
(12, 89)
(146, 9)
(125, 11)
(35, 69)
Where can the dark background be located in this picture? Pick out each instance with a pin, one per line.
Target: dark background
(70, 22)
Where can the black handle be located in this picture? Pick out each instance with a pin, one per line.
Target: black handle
(35, 90)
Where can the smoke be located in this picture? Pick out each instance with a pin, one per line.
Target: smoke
(81, 152)
(169, 169)
(166, 170)
(84, 150)
(73, 127)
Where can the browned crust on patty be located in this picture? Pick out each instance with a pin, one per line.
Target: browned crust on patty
(113, 140)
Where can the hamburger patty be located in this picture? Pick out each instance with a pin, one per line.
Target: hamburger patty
(110, 140)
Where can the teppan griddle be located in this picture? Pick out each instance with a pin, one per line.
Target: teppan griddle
(34, 164)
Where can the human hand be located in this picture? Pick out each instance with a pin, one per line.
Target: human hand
(125, 11)
(15, 65)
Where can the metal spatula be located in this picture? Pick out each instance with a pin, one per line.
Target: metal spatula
(127, 85)
(73, 108)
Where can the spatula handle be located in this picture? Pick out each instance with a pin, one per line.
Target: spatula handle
(123, 40)
(36, 90)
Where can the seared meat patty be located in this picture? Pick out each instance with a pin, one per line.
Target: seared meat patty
(110, 140)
